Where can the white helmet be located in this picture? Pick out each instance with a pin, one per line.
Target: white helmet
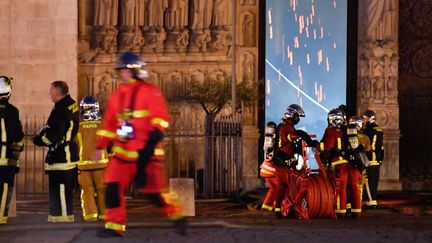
(5, 87)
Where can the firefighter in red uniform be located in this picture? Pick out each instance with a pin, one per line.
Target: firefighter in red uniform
(132, 128)
(284, 157)
(91, 171)
(334, 145)
(12, 144)
(376, 136)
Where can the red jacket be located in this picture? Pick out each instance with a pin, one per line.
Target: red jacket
(286, 134)
(332, 141)
(148, 111)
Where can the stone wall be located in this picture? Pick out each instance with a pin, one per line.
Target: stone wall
(378, 78)
(38, 44)
(181, 41)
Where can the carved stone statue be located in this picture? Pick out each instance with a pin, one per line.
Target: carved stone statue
(381, 20)
(154, 14)
(176, 15)
(182, 40)
(249, 30)
(105, 12)
(247, 2)
(248, 66)
(127, 14)
(221, 14)
(201, 15)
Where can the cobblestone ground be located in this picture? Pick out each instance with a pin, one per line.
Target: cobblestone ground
(405, 220)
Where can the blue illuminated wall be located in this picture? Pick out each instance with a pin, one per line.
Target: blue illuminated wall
(306, 59)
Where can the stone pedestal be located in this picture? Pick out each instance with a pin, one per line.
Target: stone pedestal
(184, 188)
(250, 161)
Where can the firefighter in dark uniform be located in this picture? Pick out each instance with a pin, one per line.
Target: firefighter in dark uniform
(91, 170)
(132, 128)
(11, 145)
(60, 163)
(333, 149)
(376, 137)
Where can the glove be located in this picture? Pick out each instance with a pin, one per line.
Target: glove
(140, 178)
(37, 140)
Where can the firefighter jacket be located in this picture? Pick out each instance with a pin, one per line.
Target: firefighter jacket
(11, 143)
(143, 107)
(333, 144)
(376, 137)
(59, 136)
(365, 142)
(86, 138)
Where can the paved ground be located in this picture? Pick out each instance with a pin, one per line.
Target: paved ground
(401, 218)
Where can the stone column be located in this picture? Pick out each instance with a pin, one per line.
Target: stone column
(378, 78)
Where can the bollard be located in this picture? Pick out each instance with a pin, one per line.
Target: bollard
(185, 189)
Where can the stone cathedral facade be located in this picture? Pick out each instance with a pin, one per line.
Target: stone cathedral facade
(183, 40)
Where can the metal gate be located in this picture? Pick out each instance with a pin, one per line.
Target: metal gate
(212, 158)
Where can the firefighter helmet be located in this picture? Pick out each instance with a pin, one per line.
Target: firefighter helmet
(357, 121)
(5, 87)
(369, 116)
(130, 60)
(89, 109)
(336, 118)
(294, 112)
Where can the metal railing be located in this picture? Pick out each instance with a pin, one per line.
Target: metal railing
(212, 158)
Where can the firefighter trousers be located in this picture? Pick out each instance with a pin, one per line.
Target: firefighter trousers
(61, 184)
(272, 194)
(92, 194)
(349, 179)
(7, 178)
(118, 175)
(373, 175)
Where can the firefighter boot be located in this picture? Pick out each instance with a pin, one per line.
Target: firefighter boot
(108, 233)
(180, 225)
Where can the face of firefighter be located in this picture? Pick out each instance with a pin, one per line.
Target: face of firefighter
(55, 94)
(125, 74)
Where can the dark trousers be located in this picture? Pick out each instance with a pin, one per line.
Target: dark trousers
(61, 184)
(7, 179)
(373, 174)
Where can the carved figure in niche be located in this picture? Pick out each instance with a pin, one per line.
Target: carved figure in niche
(138, 39)
(201, 14)
(394, 62)
(220, 42)
(127, 14)
(378, 88)
(177, 15)
(173, 90)
(104, 90)
(365, 87)
(378, 67)
(248, 66)
(154, 14)
(221, 14)
(106, 38)
(199, 41)
(381, 22)
(106, 12)
(247, 2)
(364, 66)
(392, 88)
(153, 79)
(160, 39)
(182, 40)
(127, 38)
(248, 29)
